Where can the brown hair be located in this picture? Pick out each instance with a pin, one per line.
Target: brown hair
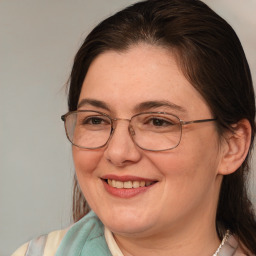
(212, 59)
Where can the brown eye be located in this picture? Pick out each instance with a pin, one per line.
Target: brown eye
(93, 120)
(160, 122)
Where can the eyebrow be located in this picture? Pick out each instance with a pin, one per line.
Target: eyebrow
(156, 104)
(144, 106)
(94, 103)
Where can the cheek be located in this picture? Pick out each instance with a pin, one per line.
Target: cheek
(85, 162)
(192, 166)
(190, 178)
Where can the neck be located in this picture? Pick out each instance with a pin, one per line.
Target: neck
(197, 242)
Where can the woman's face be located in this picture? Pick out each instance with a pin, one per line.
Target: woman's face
(185, 179)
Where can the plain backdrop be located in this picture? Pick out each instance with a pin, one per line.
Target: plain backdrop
(38, 40)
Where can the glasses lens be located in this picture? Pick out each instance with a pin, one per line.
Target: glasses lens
(88, 129)
(154, 131)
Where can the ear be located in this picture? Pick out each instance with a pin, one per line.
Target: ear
(234, 147)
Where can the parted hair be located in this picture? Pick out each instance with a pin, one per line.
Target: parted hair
(211, 57)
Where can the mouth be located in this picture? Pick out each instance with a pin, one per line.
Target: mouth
(128, 184)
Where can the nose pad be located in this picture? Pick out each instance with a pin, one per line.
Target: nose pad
(131, 130)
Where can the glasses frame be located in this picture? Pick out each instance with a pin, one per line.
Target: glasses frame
(130, 128)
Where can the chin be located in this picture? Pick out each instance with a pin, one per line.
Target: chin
(126, 222)
(127, 228)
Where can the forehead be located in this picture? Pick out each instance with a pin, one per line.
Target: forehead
(141, 73)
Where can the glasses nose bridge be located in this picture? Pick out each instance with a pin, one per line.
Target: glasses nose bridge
(114, 120)
(130, 128)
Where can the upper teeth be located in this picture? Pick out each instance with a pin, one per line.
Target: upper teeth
(128, 184)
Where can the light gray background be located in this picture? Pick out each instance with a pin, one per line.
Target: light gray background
(38, 41)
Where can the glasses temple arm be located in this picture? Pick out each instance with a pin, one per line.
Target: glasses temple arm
(198, 121)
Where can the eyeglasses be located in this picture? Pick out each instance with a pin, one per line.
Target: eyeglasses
(153, 131)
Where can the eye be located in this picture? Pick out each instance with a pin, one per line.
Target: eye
(160, 122)
(156, 122)
(95, 120)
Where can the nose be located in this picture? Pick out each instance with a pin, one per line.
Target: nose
(121, 150)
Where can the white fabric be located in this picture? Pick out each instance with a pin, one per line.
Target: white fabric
(111, 242)
(53, 240)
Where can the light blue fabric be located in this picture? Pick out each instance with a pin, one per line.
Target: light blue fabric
(85, 238)
(36, 246)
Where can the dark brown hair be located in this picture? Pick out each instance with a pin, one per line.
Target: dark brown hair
(212, 59)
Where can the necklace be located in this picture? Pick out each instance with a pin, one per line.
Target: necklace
(224, 240)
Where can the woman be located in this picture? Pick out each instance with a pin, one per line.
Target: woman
(162, 121)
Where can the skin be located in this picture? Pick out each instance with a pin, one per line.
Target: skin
(176, 216)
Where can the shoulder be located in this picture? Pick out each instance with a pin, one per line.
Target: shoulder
(53, 241)
(21, 251)
(89, 229)
(47, 244)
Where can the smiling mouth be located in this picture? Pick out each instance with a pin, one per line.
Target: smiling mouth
(128, 184)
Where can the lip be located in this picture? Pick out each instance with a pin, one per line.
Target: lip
(124, 192)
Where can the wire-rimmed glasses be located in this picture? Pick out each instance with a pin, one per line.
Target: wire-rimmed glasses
(153, 131)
